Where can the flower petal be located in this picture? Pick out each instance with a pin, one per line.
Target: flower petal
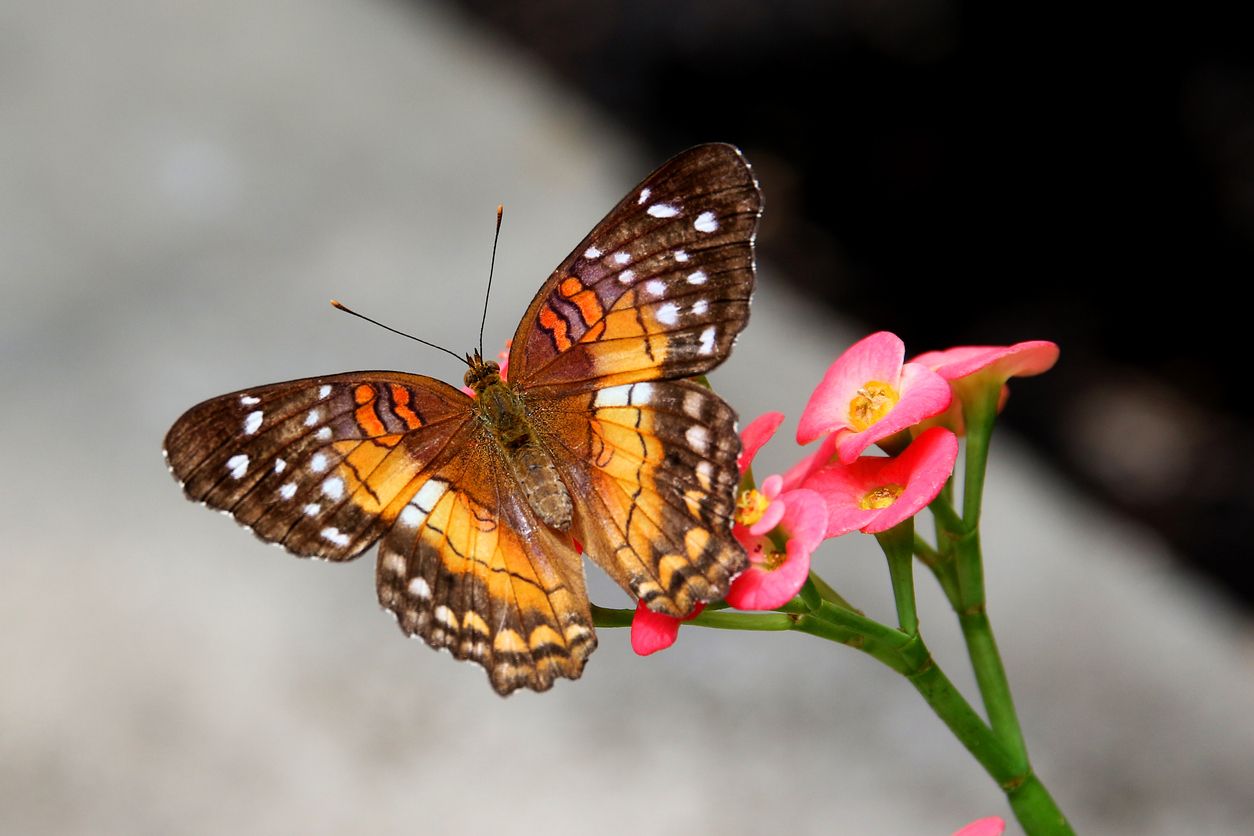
(1023, 359)
(990, 826)
(876, 357)
(755, 435)
(923, 468)
(652, 631)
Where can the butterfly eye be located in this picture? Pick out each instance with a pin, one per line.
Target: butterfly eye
(481, 371)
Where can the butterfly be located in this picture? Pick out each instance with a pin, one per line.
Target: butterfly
(596, 440)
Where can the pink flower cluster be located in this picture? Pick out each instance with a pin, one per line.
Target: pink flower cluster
(869, 395)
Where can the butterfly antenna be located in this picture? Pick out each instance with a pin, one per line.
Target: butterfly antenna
(342, 307)
(500, 210)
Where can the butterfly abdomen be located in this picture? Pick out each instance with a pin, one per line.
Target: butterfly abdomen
(503, 411)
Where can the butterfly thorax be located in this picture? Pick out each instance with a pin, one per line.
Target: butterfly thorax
(502, 410)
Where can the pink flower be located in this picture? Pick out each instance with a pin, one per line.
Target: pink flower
(779, 530)
(991, 826)
(875, 493)
(970, 367)
(868, 394)
(798, 518)
(652, 631)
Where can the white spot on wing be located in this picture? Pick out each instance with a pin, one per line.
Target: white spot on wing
(238, 465)
(419, 588)
(692, 405)
(681, 256)
(627, 276)
(613, 396)
(705, 222)
(707, 341)
(333, 534)
(318, 462)
(592, 252)
(622, 258)
(698, 277)
(663, 210)
(429, 494)
(314, 416)
(705, 472)
(644, 195)
(668, 314)
(656, 286)
(641, 393)
(312, 509)
(288, 491)
(324, 390)
(698, 438)
(252, 422)
(393, 562)
(249, 400)
(279, 465)
(333, 487)
(412, 516)
(700, 306)
(324, 434)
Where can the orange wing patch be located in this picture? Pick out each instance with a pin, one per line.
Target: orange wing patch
(456, 571)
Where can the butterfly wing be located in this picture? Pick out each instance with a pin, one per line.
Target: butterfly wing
(468, 567)
(657, 291)
(321, 466)
(660, 287)
(326, 466)
(652, 470)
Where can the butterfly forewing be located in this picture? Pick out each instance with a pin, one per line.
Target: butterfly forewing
(322, 465)
(660, 287)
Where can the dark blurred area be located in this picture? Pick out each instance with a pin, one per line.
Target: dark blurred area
(984, 174)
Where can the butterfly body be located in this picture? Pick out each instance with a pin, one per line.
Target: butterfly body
(503, 410)
(479, 503)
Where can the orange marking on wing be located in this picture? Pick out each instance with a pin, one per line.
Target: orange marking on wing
(369, 421)
(550, 321)
(364, 393)
(570, 286)
(594, 333)
(400, 397)
(589, 306)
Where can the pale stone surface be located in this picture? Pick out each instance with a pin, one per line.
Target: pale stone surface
(182, 187)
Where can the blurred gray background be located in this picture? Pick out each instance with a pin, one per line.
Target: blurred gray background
(182, 188)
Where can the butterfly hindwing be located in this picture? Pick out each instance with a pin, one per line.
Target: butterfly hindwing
(320, 466)
(652, 467)
(660, 287)
(468, 567)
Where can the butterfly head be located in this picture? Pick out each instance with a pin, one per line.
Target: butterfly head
(482, 373)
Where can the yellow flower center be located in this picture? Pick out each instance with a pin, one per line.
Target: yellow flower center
(750, 506)
(881, 497)
(873, 401)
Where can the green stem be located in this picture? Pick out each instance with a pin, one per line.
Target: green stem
(979, 414)
(828, 593)
(898, 546)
